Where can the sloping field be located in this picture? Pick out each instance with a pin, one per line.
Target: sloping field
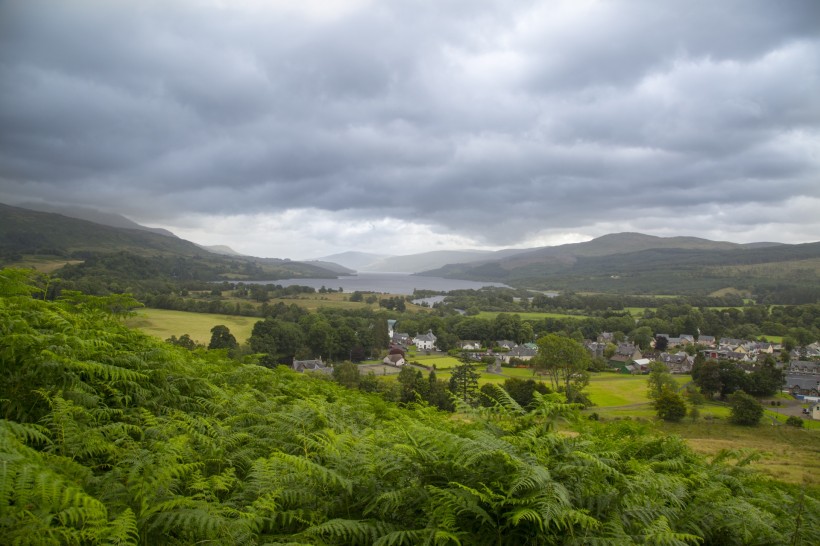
(164, 323)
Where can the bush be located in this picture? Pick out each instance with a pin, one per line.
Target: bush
(794, 421)
(669, 405)
(746, 410)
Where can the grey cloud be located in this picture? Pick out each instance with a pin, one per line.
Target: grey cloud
(489, 121)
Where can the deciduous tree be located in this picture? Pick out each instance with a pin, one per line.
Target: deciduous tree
(745, 410)
(565, 361)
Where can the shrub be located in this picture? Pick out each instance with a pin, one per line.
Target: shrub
(794, 421)
(746, 410)
(669, 405)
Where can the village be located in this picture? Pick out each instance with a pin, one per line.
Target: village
(614, 354)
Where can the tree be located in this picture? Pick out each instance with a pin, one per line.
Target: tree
(565, 361)
(381, 335)
(745, 410)
(522, 391)
(670, 405)
(412, 384)
(439, 395)
(642, 337)
(347, 374)
(222, 338)
(276, 338)
(464, 382)
(767, 380)
(183, 341)
(706, 375)
(661, 343)
(659, 378)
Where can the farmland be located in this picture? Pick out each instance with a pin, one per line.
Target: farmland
(163, 324)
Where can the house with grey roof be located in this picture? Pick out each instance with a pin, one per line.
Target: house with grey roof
(708, 341)
(802, 384)
(425, 342)
(310, 366)
(520, 352)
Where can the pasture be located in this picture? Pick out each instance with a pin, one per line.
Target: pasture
(785, 453)
(163, 323)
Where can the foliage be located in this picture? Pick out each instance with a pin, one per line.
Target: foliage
(745, 410)
(794, 421)
(108, 436)
(222, 338)
(659, 379)
(523, 390)
(464, 382)
(183, 341)
(670, 405)
(565, 361)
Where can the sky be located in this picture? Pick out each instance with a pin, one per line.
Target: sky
(302, 129)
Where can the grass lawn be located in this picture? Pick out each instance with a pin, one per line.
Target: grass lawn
(610, 389)
(163, 323)
(441, 361)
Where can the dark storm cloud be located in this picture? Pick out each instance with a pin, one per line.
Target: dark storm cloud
(490, 120)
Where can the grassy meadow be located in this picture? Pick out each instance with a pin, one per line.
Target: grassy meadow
(163, 323)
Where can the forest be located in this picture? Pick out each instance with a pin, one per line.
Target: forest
(111, 437)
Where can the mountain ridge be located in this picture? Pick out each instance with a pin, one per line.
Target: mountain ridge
(26, 232)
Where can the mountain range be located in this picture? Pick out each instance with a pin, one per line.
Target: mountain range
(623, 262)
(26, 233)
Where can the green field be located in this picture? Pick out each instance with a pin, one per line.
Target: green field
(164, 323)
(610, 389)
(530, 315)
(786, 453)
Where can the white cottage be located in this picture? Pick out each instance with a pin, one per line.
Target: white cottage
(425, 342)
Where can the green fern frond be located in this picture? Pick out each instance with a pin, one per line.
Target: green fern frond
(351, 531)
(461, 502)
(658, 533)
(402, 538)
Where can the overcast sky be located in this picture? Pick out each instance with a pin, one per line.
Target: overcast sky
(301, 129)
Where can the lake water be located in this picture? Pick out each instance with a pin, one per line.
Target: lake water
(385, 283)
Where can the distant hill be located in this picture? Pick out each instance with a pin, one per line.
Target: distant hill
(414, 263)
(356, 261)
(635, 263)
(93, 215)
(26, 233)
(331, 266)
(562, 256)
(221, 249)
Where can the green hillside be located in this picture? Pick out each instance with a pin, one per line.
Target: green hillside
(24, 231)
(105, 254)
(679, 265)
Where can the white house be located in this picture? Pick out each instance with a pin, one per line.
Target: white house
(814, 411)
(396, 360)
(425, 342)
